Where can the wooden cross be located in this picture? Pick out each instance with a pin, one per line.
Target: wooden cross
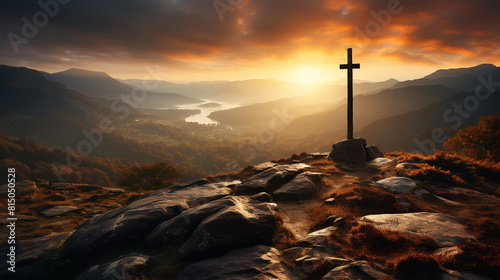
(349, 66)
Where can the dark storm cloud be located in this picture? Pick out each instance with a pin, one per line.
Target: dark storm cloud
(171, 31)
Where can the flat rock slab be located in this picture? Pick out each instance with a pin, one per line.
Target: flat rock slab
(459, 275)
(359, 270)
(446, 230)
(130, 224)
(258, 262)
(58, 210)
(397, 184)
(381, 162)
(421, 193)
(118, 269)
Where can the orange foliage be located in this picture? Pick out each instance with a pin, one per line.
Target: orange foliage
(149, 176)
(478, 142)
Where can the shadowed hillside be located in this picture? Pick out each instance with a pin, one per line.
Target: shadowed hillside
(369, 108)
(409, 129)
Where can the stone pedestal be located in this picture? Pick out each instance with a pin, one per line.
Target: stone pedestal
(354, 150)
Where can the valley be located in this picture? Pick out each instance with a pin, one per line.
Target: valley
(209, 132)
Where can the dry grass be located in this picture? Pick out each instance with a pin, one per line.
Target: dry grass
(442, 164)
(355, 201)
(368, 242)
(321, 212)
(483, 255)
(89, 200)
(469, 168)
(325, 166)
(405, 157)
(397, 252)
(427, 172)
(365, 200)
(283, 237)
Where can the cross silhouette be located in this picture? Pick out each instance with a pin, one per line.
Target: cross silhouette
(349, 66)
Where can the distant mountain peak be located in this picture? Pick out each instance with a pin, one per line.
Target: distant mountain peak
(82, 72)
(474, 71)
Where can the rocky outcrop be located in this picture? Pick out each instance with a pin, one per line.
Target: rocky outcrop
(215, 227)
(180, 228)
(120, 268)
(270, 179)
(246, 223)
(258, 262)
(207, 230)
(132, 223)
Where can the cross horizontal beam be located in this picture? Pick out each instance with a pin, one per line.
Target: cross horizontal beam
(352, 66)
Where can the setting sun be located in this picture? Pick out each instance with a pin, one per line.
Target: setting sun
(307, 75)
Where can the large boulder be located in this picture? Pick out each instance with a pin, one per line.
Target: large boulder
(446, 230)
(349, 150)
(180, 228)
(258, 262)
(269, 179)
(119, 269)
(131, 224)
(303, 186)
(246, 223)
(359, 270)
(354, 150)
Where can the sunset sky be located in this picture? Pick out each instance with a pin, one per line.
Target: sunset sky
(292, 40)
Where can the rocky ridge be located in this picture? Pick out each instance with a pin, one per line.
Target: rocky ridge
(244, 225)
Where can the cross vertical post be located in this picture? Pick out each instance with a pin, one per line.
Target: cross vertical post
(349, 66)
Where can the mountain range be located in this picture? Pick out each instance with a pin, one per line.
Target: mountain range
(101, 85)
(54, 109)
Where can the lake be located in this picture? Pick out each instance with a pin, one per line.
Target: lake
(203, 118)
